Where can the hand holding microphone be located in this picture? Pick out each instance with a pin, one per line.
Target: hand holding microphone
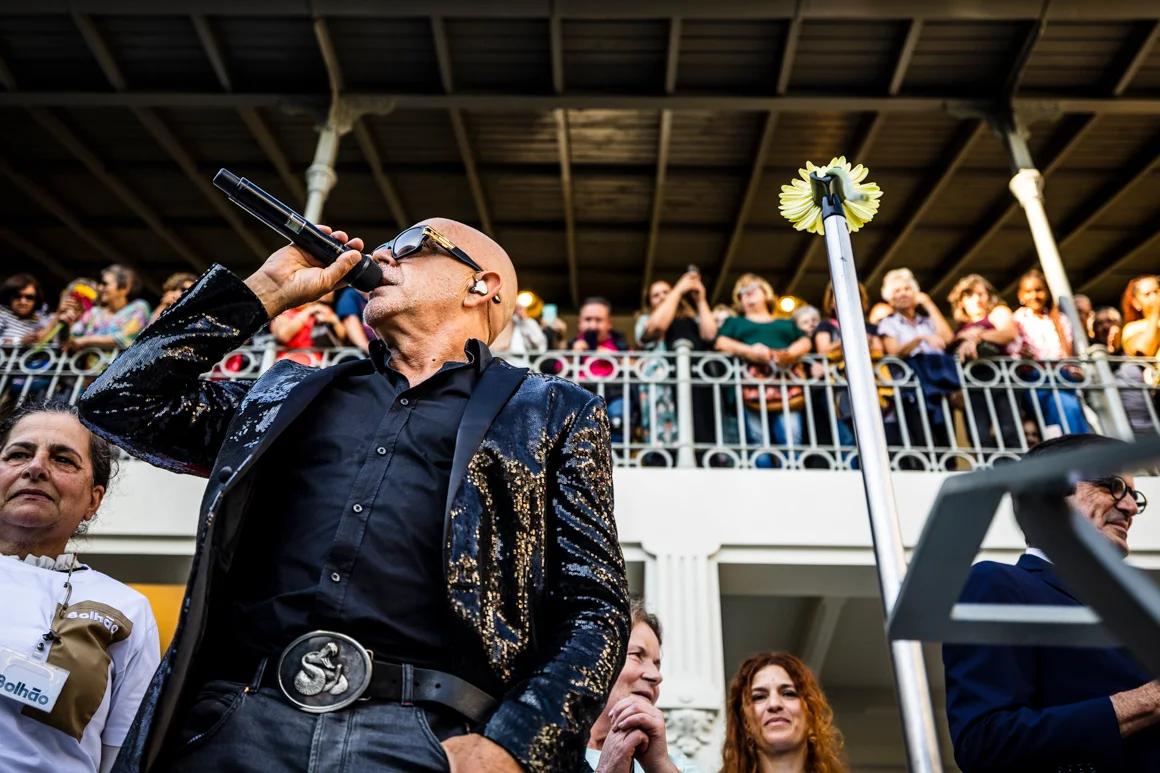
(291, 276)
(317, 261)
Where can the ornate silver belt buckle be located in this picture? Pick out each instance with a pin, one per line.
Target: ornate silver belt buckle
(324, 671)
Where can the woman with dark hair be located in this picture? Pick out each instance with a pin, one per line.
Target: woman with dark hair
(670, 313)
(119, 316)
(1045, 335)
(21, 319)
(83, 645)
(777, 718)
(827, 338)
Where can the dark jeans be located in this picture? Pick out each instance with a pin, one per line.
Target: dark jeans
(230, 731)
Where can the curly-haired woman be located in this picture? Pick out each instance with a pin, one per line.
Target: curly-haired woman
(778, 719)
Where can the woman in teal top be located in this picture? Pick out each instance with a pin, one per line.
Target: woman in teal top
(762, 341)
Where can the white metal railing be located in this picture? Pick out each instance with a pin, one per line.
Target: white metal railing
(686, 408)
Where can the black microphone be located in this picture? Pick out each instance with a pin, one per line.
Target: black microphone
(366, 276)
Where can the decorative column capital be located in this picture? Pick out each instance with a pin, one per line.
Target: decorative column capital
(690, 730)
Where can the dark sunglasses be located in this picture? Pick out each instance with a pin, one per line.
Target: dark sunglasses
(413, 239)
(1119, 488)
(27, 296)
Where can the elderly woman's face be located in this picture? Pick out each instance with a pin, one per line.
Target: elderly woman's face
(901, 295)
(46, 480)
(808, 321)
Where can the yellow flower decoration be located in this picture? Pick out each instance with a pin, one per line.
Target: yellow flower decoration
(860, 205)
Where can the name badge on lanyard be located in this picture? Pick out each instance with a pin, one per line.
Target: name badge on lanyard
(29, 681)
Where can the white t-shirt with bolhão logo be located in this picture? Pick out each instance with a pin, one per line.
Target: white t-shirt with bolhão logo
(108, 643)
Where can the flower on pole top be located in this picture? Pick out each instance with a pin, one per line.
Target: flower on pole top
(860, 199)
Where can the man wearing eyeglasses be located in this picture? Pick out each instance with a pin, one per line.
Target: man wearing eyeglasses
(1033, 709)
(405, 563)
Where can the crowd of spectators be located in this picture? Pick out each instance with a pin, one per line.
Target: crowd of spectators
(777, 715)
(789, 356)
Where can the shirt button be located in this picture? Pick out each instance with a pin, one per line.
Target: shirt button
(335, 576)
(358, 508)
(381, 451)
(404, 401)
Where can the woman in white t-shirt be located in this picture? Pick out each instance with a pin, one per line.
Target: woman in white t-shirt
(1044, 334)
(77, 648)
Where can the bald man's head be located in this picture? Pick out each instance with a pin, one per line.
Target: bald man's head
(435, 284)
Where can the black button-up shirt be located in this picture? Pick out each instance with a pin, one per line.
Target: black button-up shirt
(344, 528)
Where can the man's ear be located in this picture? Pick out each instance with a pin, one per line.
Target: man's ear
(494, 283)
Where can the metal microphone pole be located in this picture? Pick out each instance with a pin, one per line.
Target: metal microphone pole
(910, 677)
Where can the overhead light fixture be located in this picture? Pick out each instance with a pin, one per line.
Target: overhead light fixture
(531, 303)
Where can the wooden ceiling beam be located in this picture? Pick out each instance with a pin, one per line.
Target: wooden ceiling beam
(1095, 207)
(1004, 209)
(459, 125)
(61, 212)
(251, 117)
(862, 145)
(761, 153)
(961, 147)
(564, 156)
(164, 136)
(664, 142)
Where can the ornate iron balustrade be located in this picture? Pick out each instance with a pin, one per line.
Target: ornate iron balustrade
(685, 408)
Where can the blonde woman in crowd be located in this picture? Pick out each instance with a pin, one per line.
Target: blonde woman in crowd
(762, 341)
(777, 719)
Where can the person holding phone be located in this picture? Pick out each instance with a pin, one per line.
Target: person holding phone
(671, 313)
(595, 334)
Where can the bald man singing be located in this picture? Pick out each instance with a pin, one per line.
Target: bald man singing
(404, 563)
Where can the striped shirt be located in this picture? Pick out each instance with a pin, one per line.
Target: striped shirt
(13, 329)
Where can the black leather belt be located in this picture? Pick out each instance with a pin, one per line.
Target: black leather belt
(324, 671)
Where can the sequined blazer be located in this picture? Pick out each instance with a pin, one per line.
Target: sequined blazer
(531, 558)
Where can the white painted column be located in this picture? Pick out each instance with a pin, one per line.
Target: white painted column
(1027, 187)
(682, 588)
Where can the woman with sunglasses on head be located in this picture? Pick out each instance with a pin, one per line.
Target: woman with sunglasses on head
(777, 719)
(21, 316)
(82, 645)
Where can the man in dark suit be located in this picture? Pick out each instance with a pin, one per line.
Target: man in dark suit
(1053, 708)
(407, 562)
